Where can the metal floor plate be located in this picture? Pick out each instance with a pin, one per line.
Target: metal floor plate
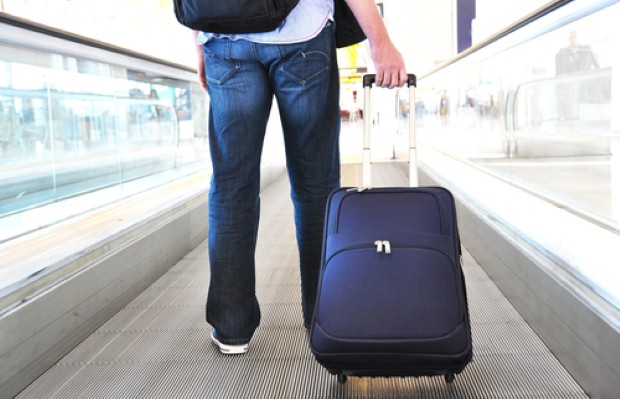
(158, 346)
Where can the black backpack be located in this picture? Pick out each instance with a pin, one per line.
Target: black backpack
(348, 30)
(233, 16)
(251, 16)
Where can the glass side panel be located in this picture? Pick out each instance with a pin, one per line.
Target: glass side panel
(537, 112)
(73, 128)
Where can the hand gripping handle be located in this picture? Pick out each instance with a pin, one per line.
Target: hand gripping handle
(369, 79)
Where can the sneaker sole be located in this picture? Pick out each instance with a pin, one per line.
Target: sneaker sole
(230, 349)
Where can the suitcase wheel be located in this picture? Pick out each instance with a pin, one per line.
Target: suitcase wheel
(342, 378)
(449, 377)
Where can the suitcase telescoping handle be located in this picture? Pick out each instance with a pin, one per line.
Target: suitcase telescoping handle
(368, 81)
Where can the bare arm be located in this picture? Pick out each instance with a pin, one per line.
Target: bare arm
(388, 61)
(200, 67)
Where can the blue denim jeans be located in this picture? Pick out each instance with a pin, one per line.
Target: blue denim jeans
(243, 78)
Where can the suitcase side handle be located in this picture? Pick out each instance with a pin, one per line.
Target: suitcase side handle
(369, 79)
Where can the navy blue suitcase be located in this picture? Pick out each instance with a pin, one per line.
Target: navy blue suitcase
(391, 299)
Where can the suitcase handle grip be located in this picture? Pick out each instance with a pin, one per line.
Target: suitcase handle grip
(369, 79)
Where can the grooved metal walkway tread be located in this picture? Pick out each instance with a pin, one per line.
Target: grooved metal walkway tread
(158, 346)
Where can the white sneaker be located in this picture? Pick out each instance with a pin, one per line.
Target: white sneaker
(229, 349)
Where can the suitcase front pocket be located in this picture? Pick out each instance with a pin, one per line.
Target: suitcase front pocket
(410, 293)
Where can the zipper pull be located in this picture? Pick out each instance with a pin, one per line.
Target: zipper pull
(383, 245)
(387, 246)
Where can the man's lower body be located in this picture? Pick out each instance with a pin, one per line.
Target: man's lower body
(243, 78)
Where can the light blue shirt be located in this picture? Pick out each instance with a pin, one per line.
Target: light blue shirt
(304, 22)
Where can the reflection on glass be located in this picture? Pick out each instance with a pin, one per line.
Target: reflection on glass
(546, 103)
(539, 115)
(70, 127)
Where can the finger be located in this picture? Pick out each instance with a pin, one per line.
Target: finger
(398, 79)
(379, 79)
(393, 80)
(387, 79)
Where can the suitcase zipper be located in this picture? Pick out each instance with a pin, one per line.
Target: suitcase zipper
(385, 246)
